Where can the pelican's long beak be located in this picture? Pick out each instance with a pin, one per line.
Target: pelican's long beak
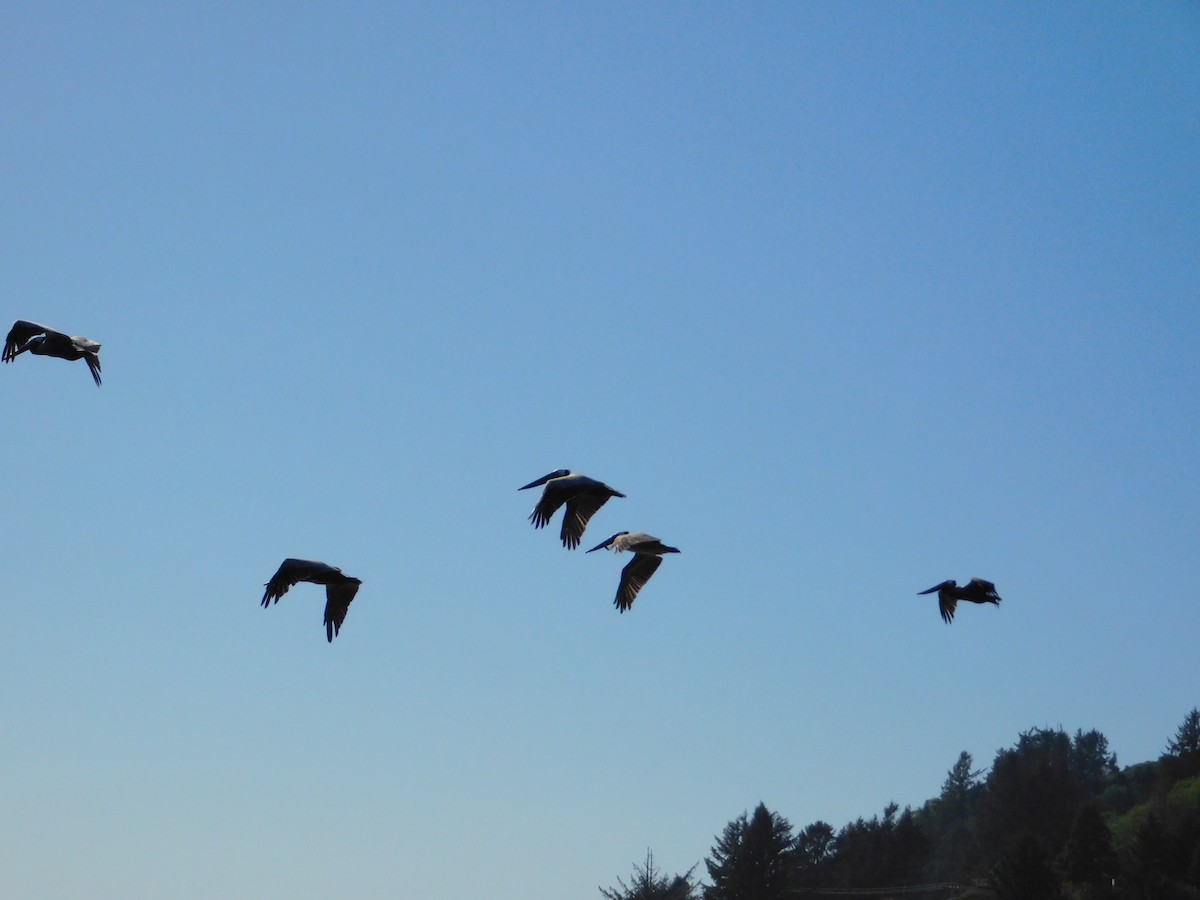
(936, 587)
(601, 545)
(540, 481)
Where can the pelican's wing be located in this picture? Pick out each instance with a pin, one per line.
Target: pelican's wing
(291, 571)
(92, 358)
(946, 604)
(337, 604)
(552, 498)
(633, 576)
(21, 332)
(580, 508)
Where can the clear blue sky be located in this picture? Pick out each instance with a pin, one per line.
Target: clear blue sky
(847, 298)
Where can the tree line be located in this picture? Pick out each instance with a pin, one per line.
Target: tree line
(1053, 818)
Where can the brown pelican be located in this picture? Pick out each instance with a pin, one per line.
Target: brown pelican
(647, 557)
(976, 591)
(42, 341)
(582, 495)
(339, 588)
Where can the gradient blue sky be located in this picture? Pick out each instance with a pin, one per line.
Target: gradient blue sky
(846, 298)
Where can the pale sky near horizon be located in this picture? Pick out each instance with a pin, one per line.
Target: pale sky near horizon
(847, 298)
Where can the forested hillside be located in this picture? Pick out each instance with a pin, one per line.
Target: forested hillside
(1053, 816)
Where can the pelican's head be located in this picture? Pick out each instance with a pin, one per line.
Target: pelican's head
(557, 473)
(605, 544)
(938, 587)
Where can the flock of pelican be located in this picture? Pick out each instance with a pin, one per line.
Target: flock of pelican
(581, 496)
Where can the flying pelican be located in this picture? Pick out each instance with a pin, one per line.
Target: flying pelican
(976, 591)
(647, 557)
(42, 341)
(582, 495)
(339, 588)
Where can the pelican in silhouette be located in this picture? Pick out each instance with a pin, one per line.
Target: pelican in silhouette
(42, 341)
(339, 588)
(647, 557)
(582, 495)
(976, 591)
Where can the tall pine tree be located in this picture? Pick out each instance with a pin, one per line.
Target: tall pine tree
(752, 859)
(650, 884)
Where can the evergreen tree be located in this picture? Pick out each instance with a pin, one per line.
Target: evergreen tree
(1024, 873)
(948, 822)
(649, 884)
(1092, 762)
(1183, 751)
(1089, 860)
(813, 853)
(885, 852)
(908, 851)
(752, 859)
(959, 784)
(1032, 788)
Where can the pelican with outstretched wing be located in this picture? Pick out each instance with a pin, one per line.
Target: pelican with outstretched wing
(42, 341)
(975, 591)
(647, 557)
(583, 496)
(339, 588)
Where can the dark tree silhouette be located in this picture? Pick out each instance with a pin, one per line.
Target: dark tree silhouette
(649, 884)
(752, 859)
(883, 852)
(1044, 823)
(960, 783)
(813, 853)
(1092, 761)
(1130, 786)
(1161, 857)
(1032, 788)
(1148, 860)
(1089, 861)
(948, 819)
(908, 850)
(1024, 873)
(1183, 751)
